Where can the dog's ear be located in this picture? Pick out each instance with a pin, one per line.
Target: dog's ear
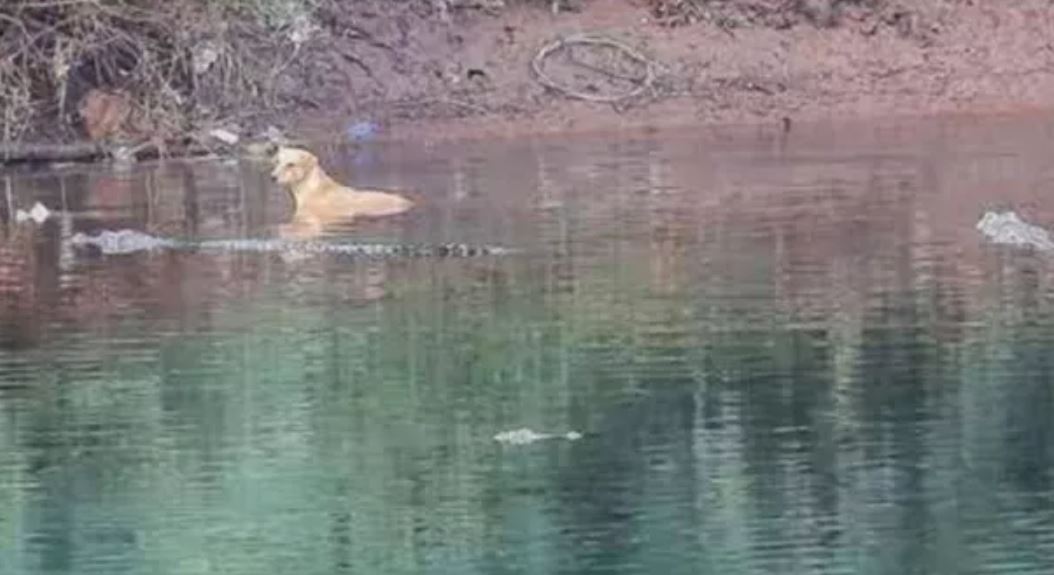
(275, 154)
(308, 162)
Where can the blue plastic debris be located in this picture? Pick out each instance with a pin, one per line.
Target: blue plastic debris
(359, 131)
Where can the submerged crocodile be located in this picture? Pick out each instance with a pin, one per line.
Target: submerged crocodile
(1008, 228)
(129, 241)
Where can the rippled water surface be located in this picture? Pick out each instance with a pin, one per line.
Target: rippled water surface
(784, 354)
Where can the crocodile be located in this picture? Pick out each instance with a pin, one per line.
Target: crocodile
(127, 241)
(1008, 228)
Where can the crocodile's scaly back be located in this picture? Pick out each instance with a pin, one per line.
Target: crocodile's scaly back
(130, 241)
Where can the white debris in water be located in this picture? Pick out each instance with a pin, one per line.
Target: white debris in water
(1009, 228)
(38, 213)
(526, 436)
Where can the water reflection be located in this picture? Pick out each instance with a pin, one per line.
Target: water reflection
(791, 357)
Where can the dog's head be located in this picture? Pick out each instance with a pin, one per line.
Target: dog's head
(293, 165)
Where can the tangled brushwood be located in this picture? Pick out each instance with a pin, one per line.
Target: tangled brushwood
(135, 71)
(132, 69)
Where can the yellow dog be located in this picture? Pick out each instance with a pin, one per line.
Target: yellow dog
(320, 200)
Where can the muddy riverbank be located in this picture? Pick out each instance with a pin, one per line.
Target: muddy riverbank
(877, 60)
(431, 70)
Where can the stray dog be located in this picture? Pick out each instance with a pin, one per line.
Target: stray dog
(319, 200)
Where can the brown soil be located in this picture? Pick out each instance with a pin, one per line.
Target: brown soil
(468, 74)
(730, 61)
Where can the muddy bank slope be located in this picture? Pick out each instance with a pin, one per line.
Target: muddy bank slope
(733, 62)
(431, 70)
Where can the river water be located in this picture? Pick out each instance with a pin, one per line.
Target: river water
(784, 353)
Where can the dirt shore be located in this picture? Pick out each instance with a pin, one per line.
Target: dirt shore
(472, 78)
(438, 70)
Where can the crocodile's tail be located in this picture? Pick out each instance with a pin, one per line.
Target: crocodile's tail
(455, 250)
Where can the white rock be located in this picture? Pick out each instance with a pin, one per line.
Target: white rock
(38, 213)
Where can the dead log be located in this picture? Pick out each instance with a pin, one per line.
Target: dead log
(17, 153)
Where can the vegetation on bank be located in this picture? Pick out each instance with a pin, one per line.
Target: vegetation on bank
(159, 68)
(132, 68)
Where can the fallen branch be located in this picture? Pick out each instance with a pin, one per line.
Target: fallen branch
(643, 82)
(80, 151)
(15, 153)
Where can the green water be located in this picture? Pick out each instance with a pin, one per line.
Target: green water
(786, 354)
